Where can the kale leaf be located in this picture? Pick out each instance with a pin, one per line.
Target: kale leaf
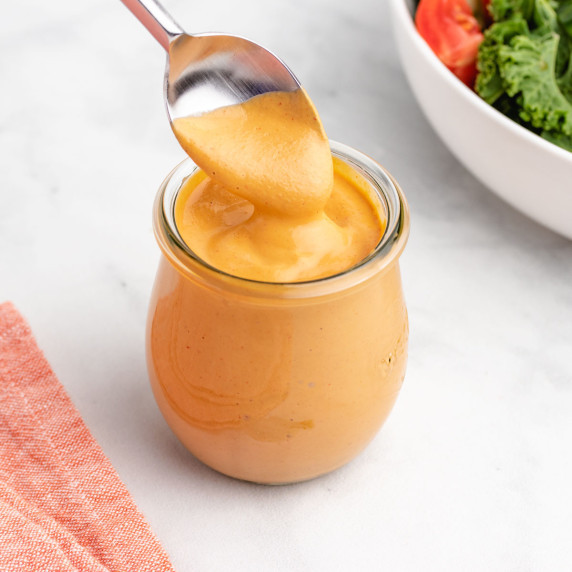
(525, 65)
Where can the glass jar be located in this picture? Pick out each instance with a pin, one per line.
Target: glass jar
(277, 383)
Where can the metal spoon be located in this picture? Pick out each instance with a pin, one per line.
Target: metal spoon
(208, 71)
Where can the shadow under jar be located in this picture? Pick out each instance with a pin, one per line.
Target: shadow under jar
(278, 383)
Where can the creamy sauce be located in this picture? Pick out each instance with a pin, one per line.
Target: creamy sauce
(271, 150)
(267, 388)
(269, 204)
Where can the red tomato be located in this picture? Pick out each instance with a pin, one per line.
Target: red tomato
(453, 33)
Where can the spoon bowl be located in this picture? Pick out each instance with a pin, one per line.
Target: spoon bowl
(207, 71)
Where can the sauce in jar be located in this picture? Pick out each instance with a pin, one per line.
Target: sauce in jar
(277, 330)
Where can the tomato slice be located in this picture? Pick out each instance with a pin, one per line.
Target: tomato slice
(453, 33)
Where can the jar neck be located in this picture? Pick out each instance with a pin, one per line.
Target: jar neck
(385, 254)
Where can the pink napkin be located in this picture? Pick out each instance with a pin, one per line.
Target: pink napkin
(62, 505)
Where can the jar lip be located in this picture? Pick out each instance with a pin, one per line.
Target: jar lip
(389, 247)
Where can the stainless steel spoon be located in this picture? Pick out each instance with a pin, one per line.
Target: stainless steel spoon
(208, 71)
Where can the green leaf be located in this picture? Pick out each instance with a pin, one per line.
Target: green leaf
(565, 16)
(544, 16)
(502, 10)
(527, 66)
(564, 141)
(490, 85)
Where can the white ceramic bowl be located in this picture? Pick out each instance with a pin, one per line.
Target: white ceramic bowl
(528, 172)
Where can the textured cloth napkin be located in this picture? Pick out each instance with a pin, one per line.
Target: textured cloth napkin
(62, 505)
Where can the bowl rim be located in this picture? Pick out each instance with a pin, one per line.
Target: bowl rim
(403, 10)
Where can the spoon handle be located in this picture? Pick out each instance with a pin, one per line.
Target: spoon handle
(156, 19)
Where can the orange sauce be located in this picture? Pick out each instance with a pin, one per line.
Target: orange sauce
(268, 388)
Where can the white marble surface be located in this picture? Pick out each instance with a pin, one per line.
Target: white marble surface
(471, 472)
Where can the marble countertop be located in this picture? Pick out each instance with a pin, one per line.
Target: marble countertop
(472, 471)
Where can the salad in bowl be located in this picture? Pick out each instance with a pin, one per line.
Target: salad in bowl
(494, 78)
(516, 54)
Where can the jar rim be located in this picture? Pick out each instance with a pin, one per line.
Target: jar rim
(388, 249)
